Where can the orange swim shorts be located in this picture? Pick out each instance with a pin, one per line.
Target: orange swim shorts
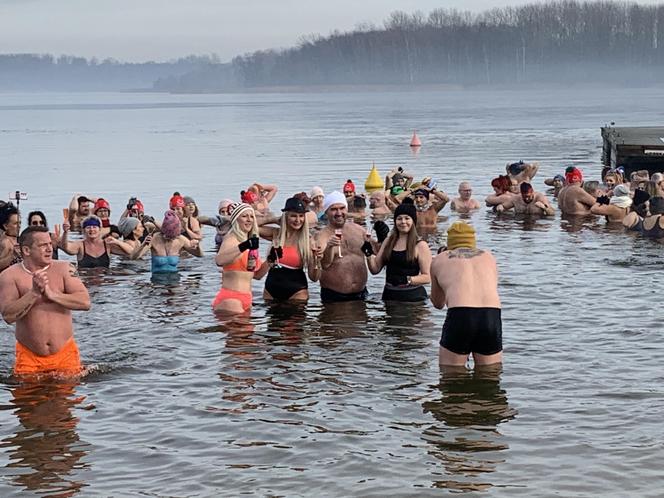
(244, 297)
(66, 361)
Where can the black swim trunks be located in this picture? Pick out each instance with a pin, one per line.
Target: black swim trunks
(330, 296)
(410, 294)
(476, 330)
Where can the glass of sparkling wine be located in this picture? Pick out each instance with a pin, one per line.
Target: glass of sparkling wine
(339, 233)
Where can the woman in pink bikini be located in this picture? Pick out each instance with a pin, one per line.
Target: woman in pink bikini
(240, 262)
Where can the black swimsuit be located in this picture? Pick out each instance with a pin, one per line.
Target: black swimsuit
(656, 232)
(398, 267)
(282, 283)
(87, 261)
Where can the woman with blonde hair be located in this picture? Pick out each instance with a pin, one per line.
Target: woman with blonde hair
(290, 254)
(238, 256)
(406, 257)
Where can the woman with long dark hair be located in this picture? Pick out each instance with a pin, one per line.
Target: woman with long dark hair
(406, 258)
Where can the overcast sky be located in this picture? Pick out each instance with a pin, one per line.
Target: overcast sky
(138, 30)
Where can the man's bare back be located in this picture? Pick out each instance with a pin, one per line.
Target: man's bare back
(572, 199)
(465, 277)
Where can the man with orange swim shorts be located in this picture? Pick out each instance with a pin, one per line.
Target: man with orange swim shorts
(39, 295)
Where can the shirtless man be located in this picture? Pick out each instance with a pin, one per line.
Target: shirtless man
(39, 295)
(529, 202)
(344, 269)
(79, 209)
(464, 203)
(379, 209)
(572, 199)
(465, 279)
(427, 212)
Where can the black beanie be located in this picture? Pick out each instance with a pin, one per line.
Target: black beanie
(407, 208)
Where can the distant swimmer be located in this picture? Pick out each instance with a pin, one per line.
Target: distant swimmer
(92, 251)
(529, 202)
(501, 187)
(221, 222)
(261, 198)
(102, 209)
(10, 225)
(427, 208)
(465, 279)
(357, 204)
(465, 202)
(317, 197)
(557, 182)
(79, 209)
(379, 209)
(522, 172)
(572, 199)
(616, 207)
(39, 295)
(344, 270)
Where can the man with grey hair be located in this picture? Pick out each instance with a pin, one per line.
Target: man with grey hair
(465, 202)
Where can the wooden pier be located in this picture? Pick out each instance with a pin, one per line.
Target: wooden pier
(633, 148)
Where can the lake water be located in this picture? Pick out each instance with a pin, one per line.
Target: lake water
(346, 399)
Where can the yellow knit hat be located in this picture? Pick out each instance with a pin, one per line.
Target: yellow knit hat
(460, 234)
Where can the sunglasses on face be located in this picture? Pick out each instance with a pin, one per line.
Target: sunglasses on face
(37, 223)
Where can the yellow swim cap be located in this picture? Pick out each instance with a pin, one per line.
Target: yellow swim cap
(460, 234)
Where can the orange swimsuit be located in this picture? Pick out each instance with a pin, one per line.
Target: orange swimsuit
(66, 361)
(245, 298)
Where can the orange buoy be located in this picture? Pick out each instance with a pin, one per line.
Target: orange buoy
(415, 141)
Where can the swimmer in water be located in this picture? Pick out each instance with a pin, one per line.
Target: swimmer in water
(465, 202)
(465, 279)
(240, 262)
(407, 259)
(39, 295)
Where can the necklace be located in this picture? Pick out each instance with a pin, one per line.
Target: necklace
(31, 272)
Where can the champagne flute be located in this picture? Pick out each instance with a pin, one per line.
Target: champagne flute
(314, 249)
(339, 233)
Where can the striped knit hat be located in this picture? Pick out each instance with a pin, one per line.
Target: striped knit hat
(237, 209)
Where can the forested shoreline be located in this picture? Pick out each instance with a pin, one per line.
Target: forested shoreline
(565, 41)
(558, 42)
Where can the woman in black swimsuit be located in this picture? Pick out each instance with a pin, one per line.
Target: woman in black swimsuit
(92, 251)
(653, 225)
(407, 259)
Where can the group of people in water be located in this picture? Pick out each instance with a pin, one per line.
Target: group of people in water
(315, 237)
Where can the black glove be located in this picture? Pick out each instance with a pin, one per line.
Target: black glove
(382, 230)
(251, 243)
(130, 204)
(367, 249)
(640, 196)
(275, 252)
(603, 199)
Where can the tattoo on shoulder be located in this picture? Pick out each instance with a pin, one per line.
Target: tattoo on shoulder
(465, 253)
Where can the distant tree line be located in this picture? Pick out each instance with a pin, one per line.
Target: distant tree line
(31, 72)
(562, 41)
